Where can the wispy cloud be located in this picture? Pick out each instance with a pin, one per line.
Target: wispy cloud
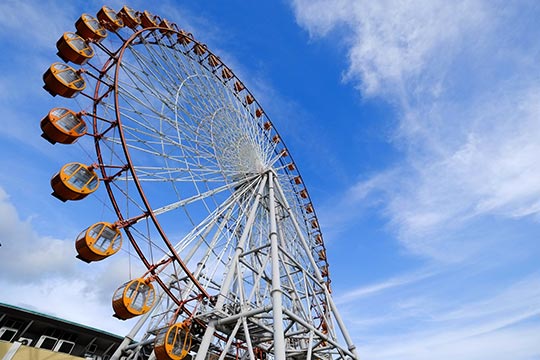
(490, 171)
(391, 43)
(417, 322)
(515, 342)
(516, 302)
(469, 138)
(41, 272)
(28, 22)
(26, 257)
(389, 284)
(465, 192)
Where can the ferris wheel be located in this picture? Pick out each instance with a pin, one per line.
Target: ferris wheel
(204, 190)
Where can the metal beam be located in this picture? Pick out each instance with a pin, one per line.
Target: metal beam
(277, 300)
(337, 316)
(211, 327)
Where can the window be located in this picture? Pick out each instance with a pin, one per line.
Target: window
(68, 122)
(46, 342)
(7, 334)
(64, 346)
(90, 350)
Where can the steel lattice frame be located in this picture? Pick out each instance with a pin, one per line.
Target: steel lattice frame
(211, 201)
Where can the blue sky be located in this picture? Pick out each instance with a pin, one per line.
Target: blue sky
(415, 124)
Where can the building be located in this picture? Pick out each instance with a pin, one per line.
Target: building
(26, 334)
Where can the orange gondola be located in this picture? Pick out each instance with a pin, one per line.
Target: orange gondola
(134, 298)
(213, 60)
(89, 28)
(129, 17)
(149, 20)
(174, 342)
(327, 283)
(249, 99)
(72, 47)
(226, 73)
(98, 241)
(109, 19)
(74, 181)
(238, 86)
(167, 27)
(260, 354)
(324, 327)
(200, 49)
(63, 126)
(325, 271)
(184, 38)
(61, 79)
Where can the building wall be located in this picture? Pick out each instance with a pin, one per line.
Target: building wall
(42, 332)
(30, 353)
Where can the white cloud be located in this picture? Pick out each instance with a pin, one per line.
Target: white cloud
(41, 272)
(468, 130)
(490, 170)
(389, 284)
(465, 193)
(390, 42)
(417, 322)
(28, 22)
(25, 256)
(519, 301)
(518, 342)
(70, 299)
